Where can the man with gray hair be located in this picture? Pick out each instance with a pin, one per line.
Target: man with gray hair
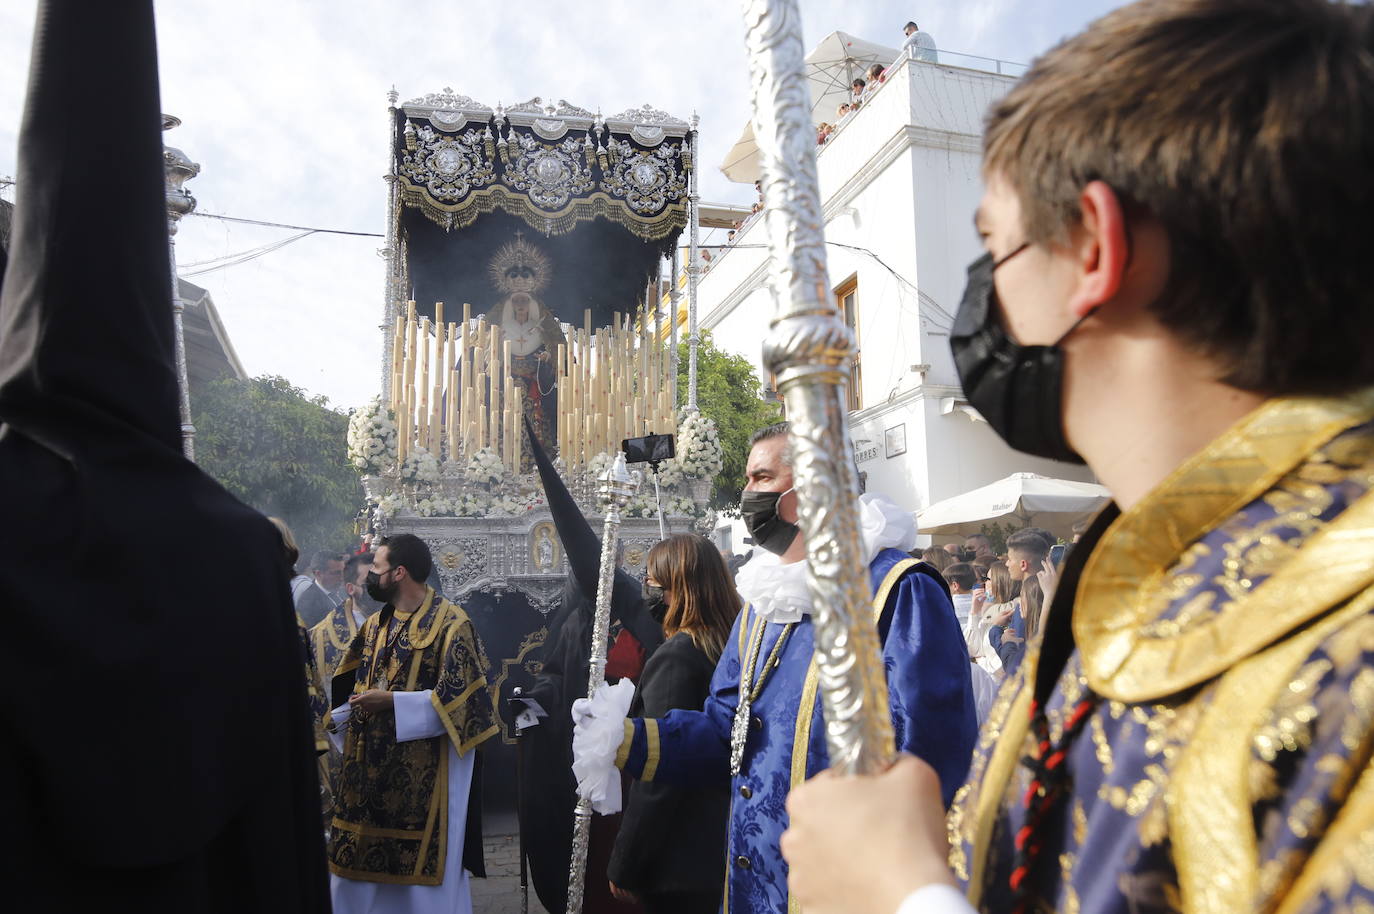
(761, 730)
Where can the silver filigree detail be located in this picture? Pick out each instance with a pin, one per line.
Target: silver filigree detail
(809, 350)
(450, 100)
(647, 115)
(550, 128)
(533, 106)
(565, 109)
(549, 175)
(448, 167)
(448, 120)
(647, 180)
(647, 136)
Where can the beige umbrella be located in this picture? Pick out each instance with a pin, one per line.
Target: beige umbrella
(830, 69)
(1021, 499)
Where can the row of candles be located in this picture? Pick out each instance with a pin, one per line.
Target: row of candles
(486, 411)
(613, 382)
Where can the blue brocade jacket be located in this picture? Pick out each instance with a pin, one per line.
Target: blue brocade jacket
(932, 713)
(1221, 632)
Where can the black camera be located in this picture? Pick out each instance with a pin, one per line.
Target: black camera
(649, 449)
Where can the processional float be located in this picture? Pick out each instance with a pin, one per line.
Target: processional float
(526, 252)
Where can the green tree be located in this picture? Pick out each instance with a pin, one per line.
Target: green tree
(729, 392)
(283, 452)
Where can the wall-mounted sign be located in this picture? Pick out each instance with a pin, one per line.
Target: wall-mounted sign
(894, 440)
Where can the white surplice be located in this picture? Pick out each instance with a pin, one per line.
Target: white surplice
(417, 719)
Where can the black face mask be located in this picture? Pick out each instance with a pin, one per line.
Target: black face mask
(760, 513)
(1018, 389)
(654, 604)
(376, 591)
(363, 600)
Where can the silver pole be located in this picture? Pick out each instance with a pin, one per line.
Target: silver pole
(693, 272)
(808, 348)
(178, 170)
(658, 502)
(674, 295)
(658, 328)
(617, 487)
(390, 252)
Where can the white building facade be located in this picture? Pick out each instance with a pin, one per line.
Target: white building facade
(900, 180)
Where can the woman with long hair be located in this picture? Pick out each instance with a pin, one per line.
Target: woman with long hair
(1012, 636)
(670, 853)
(998, 605)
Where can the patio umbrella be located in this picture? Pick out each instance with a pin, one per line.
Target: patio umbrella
(1021, 499)
(830, 69)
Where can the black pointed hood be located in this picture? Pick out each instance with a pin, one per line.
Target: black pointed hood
(147, 611)
(583, 548)
(85, 313)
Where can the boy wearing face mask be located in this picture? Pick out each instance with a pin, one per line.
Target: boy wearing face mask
(1177, 291)
(761, 732)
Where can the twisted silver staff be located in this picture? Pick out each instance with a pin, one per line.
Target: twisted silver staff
(809, 350)
(617, 488)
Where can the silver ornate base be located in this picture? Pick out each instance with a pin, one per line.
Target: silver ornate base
(500, 554)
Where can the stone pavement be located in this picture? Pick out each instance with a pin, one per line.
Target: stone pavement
(499, 893)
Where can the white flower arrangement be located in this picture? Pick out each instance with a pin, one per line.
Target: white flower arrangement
(699, 452)
(390, 505)
(507, 505)
(597, 466)
(433, 506)
(420, 467)
(680, 506)
(669, 473)
(471, 504)
(372, 438)
(485, 468)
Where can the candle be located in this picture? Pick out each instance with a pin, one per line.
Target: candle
(478, 417)
(422, 420)
(516, 456)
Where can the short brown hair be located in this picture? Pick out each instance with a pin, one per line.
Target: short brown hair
(1029, 543)
(696, 585)
(1246, 127)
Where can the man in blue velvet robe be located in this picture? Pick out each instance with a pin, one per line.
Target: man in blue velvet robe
(780, 735)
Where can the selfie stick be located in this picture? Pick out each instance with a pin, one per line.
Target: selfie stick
(658, 501)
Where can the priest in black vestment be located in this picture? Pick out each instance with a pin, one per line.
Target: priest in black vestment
(157, 753)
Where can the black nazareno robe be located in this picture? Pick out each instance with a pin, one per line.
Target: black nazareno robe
(157, 748)
(550, 792)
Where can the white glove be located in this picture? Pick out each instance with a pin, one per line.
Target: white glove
(598, 730)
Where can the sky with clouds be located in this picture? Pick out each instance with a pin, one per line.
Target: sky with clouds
(283, 105)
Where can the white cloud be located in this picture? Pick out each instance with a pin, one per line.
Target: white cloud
(283, 105)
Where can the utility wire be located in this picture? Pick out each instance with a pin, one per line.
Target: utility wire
(299, 228)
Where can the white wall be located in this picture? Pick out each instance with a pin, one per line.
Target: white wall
(900, 182)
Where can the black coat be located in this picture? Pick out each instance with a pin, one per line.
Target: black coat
(158, 751)
(672, 840)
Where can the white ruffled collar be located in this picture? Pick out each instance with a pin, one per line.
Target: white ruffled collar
(779, 593)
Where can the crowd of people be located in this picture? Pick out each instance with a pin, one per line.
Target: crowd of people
(918, 45)
(1175, 291)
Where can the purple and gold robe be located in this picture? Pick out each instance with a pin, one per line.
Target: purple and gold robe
(1226, 625)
